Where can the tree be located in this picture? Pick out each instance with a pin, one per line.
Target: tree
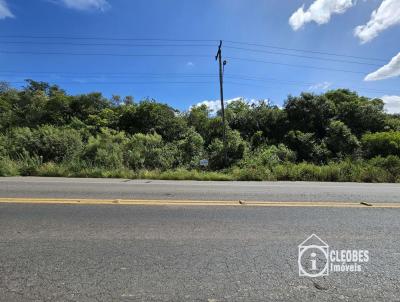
(310, 113)
(392, 122)
(239, 117)
(106, 118)
(268, 157)
(360, 114)
(34, 86)
(339, 140)
(6, 109)
(88, 104)
(42, 122)
(115, 100)
(191, 148)
(259, 117)
(307, 146)
(57, 109)
(236, 149)
(257, 140)
(381, 144)
(128, 100)
(271, 120)
(199, 118)
(126, 119)
(151, 116)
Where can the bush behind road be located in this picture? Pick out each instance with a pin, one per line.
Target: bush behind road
(336, 136)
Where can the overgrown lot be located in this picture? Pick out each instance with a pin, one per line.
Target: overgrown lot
(336, 136)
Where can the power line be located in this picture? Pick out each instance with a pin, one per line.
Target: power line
(183, 45)
(102, 54)
(112, 75)
(64, 37)
(102, 73)
(136, 74)
(175, 55)
(61, 37)
(123, 83)
(104, 44)
(295, 65)
(307, 51)
(300, 56)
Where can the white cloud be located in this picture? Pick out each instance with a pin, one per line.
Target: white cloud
(5, 11)
(320, 12)
(392, 103)
(214, 106)
(320, 86)
(100, 5)
(387, 15)
(190, 64)
(390, 70)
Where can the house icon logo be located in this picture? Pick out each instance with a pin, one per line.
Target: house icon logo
(313, 257)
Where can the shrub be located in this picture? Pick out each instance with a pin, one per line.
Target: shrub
(258, 165)
(183, 174)
(148, 151)
(48, 142)
(236, 150)
(3, 146)
(56, 144)
(361, 171)
(151, 116)
(18, 142)
(191, 148)
(106, 149)
(8, 167)
(51, 169)
(307, 147)
(339, 140)
(28, 165)
(268, 157)
(298, 172)
(258, 140)
(346, 171)
(390, 164)
(381, 144)
(252, 173)
(310, 113)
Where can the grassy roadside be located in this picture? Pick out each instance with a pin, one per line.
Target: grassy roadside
(345, 171)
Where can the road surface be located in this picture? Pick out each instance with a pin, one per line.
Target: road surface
(63, 252)
(191, 190)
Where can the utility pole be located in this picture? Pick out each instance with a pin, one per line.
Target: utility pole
(221, 86)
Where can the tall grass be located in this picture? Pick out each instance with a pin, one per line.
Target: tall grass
(377, 170)
(8, 167)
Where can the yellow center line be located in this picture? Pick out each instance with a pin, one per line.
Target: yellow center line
(232, 203)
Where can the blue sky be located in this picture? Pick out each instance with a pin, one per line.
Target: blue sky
(345, 27)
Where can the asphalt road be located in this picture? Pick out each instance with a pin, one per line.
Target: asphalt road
(192, 190)
(61, 252)
(159, 253)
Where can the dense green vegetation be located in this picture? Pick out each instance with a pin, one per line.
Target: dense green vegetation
(336, 136)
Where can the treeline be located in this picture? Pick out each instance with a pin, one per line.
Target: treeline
(336, 136)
